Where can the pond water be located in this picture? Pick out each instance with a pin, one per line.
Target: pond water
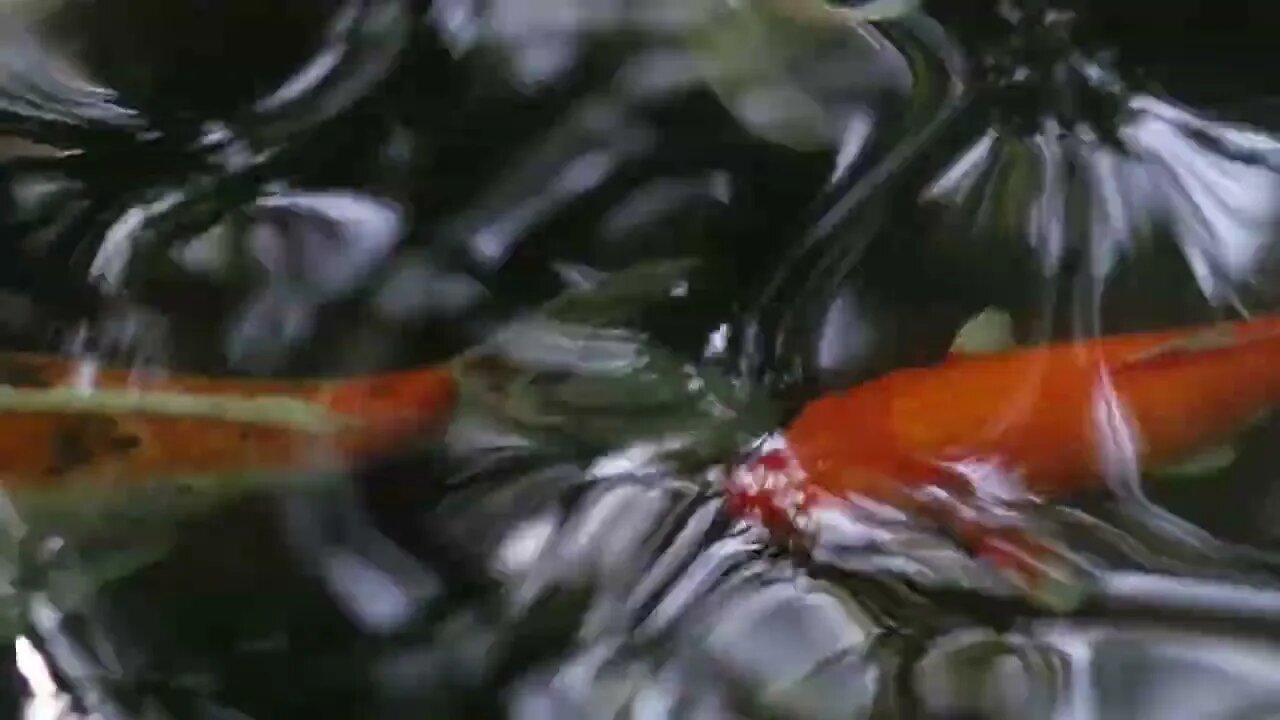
(657, 229)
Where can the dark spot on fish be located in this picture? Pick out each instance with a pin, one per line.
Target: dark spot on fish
(125, 442)
(80, 442)
(72, 446)
(246, 434)
(382, 390)
(21, 372)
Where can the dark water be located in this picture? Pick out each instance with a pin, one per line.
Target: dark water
(278, 188)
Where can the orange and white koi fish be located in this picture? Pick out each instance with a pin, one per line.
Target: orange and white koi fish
(1051, 417)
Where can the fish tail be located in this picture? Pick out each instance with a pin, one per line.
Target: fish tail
(1252, 357)
(1194, 389)
(418, 397)
(1263, 327)
(1260, 354)
(1242, 343)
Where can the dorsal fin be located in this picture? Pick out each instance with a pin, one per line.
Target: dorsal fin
(1217, 337)
(990, 331)
(1208, 339)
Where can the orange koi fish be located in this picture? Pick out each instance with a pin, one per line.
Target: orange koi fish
(62, 421)
(102, 468)
(107, 464)
(1050, 418)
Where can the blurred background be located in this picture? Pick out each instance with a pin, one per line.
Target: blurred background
(757, 202)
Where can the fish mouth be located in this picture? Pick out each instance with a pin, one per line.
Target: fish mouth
(766, 486)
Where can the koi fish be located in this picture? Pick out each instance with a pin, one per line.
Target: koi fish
(1052, 418)
(105, 464)
(123, 427)
(73, 436)
(63, 420)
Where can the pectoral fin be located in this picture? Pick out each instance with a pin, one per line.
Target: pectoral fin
(1206, 462)
(1209, 339)
(989, 331)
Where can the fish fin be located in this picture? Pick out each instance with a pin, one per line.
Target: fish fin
(1212, 459)
(75, 586)
(1213, 338)
(1205, 462)
(603, 298)
(1221, 336)
(990, 331)
(593, 309)
(577, 276)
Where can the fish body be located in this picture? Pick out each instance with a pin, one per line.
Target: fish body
(63, 421)
(1054, 417)
(106, 464)
(100, 468)
(953, 443)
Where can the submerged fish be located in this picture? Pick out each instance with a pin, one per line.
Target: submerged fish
(1047, 420)
(110, 462)
(62, 421)
(74, 437)
(98, 467)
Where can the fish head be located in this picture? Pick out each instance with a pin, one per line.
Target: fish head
(770, 488)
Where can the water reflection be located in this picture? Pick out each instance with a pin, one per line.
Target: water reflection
(44, 95)
(1058, 670)
(314, 248)
(1168, 176)
(739, 205)
(361, 45)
